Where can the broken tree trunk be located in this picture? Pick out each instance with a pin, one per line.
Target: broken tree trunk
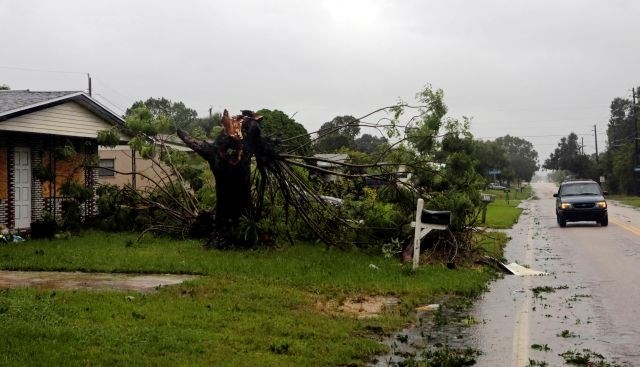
(229, 158)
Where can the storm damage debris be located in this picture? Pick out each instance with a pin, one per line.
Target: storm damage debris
(512, 268)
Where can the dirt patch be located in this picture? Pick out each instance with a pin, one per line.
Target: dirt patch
(89, 281)
(360, 307)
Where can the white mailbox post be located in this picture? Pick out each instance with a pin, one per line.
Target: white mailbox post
(424, 225)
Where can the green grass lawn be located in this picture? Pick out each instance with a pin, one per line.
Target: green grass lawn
(503, 213)
(249, 308)
(629, 200)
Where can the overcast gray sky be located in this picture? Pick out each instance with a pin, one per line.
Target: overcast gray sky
(535, 69)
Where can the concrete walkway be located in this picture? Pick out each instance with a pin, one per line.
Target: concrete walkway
(89, 281)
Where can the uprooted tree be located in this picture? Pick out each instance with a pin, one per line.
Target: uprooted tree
(267, 186)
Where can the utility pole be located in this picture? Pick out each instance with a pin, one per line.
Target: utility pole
(89, 79)
(635, 139)
(635, 127)
(582, 145)
(595, 135)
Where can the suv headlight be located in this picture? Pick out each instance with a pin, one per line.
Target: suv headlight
(601, 204)
(565, 205)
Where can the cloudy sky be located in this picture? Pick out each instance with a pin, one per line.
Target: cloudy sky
(535, 69)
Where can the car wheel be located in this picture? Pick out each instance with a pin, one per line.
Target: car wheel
(562, 222)
(604, 221)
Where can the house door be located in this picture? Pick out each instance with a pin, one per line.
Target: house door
(22, 187)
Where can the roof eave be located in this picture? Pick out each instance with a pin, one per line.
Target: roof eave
(79, 97)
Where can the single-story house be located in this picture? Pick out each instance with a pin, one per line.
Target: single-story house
(46, 140)
(117, 163)
(331, 162)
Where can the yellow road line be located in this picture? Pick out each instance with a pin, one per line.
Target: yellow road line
(633, 229)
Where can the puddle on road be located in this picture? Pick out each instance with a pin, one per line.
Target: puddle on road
(89, 281)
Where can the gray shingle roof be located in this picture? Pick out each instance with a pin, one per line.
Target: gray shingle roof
(14, 99)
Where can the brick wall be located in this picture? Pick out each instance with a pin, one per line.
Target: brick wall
(3, 213)
(10, 209)
(37, 202)
(4, 181)
(44, 198)
(4, 169)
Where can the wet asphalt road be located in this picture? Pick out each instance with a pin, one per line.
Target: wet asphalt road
(595, 298)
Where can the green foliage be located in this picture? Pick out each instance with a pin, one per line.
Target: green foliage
(621, 127)
(587, 358)
(4, 87)
(522, 157)
(337, 134)
(380, 222)
(450, 357)
(76, 191)
(292, 135)
(108, 138)
(567, 156)
(116, 209)
(65, 151)
(142, 122)
(370, 144)
(618, 162)
(43, 173)
(74, 195)
(459, 184)
(489, 155)
(171, 114)
(423, 136)
(206, 195)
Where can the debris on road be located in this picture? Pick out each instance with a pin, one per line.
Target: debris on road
(431, 307)
(513, 268)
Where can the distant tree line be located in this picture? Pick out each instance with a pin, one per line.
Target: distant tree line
(616, 162)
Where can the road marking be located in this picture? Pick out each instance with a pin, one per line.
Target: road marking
(520, 346)
(633, 229)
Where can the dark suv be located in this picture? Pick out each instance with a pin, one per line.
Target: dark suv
(581, 200)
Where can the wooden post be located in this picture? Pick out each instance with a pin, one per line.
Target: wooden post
(417, 235)
(484, 212)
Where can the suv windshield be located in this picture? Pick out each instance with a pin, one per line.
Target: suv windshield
(590, 188)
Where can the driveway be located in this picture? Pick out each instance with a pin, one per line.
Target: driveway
(89, 281)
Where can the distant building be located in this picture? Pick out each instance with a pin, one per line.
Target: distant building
(118, 164)
(331, 162)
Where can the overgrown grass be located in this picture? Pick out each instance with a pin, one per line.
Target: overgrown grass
(629, 200)
(249, 308)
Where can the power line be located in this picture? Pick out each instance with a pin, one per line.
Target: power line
(111, 103)
(131, 99)
(535, 136)
(41, 70)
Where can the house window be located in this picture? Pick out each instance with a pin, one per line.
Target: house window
(106, 167)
